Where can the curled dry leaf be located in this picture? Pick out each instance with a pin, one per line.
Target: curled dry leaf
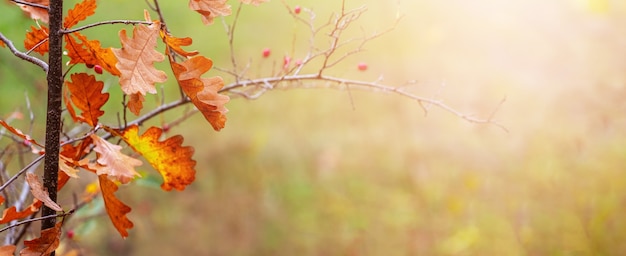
(168, 157)
(175, 44)
(39, 192)
(112, 162)
(11, 213)
(45, 244)
(210, 9)
(36, 13)
(115, 208)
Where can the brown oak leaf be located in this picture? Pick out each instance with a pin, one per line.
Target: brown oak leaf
(39, 192)
(203, 92)
(210, 9)
(47, 243)
(36, 13)
(136, 60)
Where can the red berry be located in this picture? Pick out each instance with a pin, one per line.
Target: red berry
(297, 9)
(70, 234)
(89, 65)
(298, 62)
(26, 143)
(362, 66)
(165, 128)
(286, 62)
(266, 52)
(98, 69)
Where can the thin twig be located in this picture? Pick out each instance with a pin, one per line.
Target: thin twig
(37, 219)
(108, 22)
(21, 172)
(22, 55)
(31, 4)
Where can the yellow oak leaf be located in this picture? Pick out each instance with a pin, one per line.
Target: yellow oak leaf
(136, 60)
(112, 162)
(168, 157)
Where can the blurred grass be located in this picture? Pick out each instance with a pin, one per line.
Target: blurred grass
(327, 172)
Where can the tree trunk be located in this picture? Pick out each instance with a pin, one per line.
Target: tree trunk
(53, 120)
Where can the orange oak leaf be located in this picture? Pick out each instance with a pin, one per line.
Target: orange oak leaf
(37, 40)
(69, 107)
(86, 94)
(36, 12)
(135, 103)
(7, 250)
(45, 244)
(175, 43)
(254, 2)
(2, 44)
(112, 162)
(39, 192)
(115, 208)
(168, 157)
(203, 92)
(23, 136)
(210, 9)
(90, 52)
(11, 213)
(136, 60)
(79, 13)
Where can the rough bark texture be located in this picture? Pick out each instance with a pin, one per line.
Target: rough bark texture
(53, 120)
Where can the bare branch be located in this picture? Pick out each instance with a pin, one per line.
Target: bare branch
(22, 55)
(108, 22)
(31, 4)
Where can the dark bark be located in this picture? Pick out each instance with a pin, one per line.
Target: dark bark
(53, 119)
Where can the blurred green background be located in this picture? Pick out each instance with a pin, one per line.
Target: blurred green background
(332, 172)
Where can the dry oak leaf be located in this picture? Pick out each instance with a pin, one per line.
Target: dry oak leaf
(36, 12)
(67, 166)
(37, 40)
(210, 9)
(136, 60)
(135, 103)
(25, 137)
(7, 250)
(45, 244)
(203, 92)
(254, 2)
(39, 192)
(175, 43)
(86, 94)
(115, 208)
(90, 52)
(11, 213)
(112, 162)
(2, 44)
(79, 13)
(168, 157)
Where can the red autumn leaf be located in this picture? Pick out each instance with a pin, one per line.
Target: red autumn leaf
(90, 52)
(136, 60)
(37, 40)
(175, 43)
(112, 162)
(254, 2)
(45, 244)
(210, 9)
(168, 157)
(39, 192)
(79, 13)
(115, 208)
(86, 94)
(135, 103)
(203, 92)
(11, 213)
(36, 12)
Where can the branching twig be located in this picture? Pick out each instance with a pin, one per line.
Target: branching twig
(108, 22)
(37, 219)
(22, 55)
